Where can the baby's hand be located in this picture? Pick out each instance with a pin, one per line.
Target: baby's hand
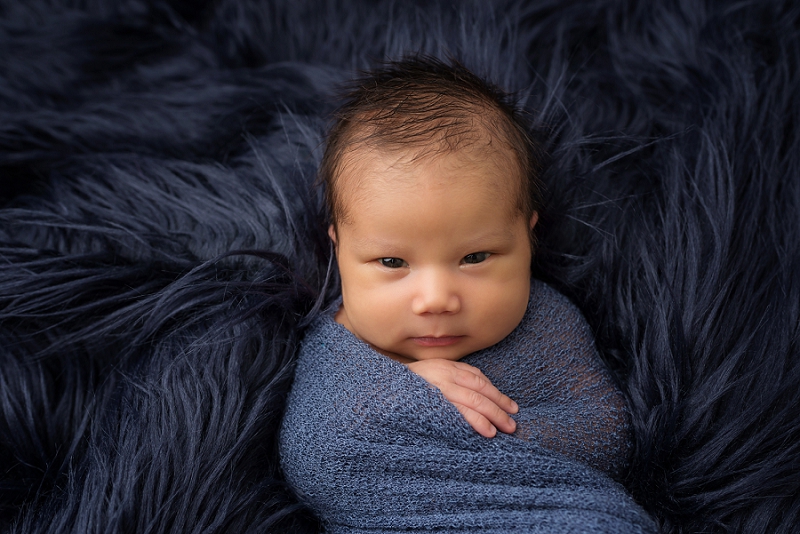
(481, 404)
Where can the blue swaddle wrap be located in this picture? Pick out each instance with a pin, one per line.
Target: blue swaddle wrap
(372, 447)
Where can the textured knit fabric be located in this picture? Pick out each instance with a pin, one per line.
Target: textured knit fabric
(372, 447)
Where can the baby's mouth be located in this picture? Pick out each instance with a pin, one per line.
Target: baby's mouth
(436, 341)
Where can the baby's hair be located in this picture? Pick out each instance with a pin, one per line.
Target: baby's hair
(425, 105)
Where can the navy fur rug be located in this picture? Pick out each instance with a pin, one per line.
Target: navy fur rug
(162, 246)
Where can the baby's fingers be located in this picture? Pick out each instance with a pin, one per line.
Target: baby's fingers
(478, 422)
(482, 413)
(472, 378)
(481, 404)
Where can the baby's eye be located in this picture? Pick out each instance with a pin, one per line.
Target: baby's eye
(393, 263)
(476, 257)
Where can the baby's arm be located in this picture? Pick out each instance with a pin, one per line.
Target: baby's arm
(481, 404)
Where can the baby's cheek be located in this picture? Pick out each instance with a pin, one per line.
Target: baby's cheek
(507, 311)
(373, 322)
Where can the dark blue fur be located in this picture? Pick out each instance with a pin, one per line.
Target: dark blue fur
(161, 244)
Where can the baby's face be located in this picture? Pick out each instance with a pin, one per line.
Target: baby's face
(434, 256)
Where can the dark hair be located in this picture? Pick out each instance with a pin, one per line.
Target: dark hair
(425, 104)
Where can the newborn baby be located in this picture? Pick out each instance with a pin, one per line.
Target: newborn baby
(400, 388)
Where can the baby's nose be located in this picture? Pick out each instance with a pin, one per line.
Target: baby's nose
(435, 294)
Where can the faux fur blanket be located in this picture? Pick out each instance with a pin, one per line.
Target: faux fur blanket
(373, 448)
(162, 248)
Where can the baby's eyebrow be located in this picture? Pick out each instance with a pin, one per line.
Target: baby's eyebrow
(369, 242)
(490, 238)
(475, 243)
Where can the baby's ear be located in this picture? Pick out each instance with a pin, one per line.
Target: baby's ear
(332, 234)
(534, 219)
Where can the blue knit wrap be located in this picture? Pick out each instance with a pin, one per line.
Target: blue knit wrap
(372, 447)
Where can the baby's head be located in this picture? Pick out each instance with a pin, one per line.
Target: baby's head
(432, 186)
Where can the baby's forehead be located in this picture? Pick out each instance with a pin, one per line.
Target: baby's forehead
(366, 170)
(359, 162)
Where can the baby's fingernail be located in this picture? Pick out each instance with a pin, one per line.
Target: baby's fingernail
(514, 407)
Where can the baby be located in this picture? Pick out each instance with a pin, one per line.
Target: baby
(432, 186)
